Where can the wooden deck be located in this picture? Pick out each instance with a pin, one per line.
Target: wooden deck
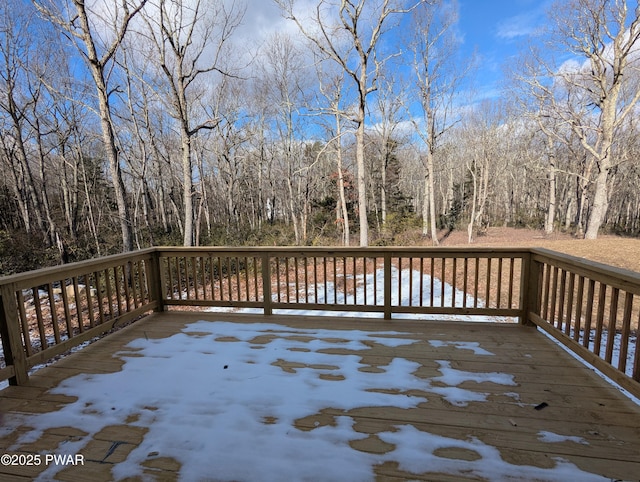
(553, 393)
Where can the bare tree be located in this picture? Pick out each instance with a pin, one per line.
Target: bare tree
(437, 77)
(190, 39)
(15, 106)
(389, 106)
(283, 73)
(82, 24)
(594, 98)
(331, 87)
(349, 33)
(482, 138)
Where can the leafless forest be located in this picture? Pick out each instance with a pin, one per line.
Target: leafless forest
(131, 123)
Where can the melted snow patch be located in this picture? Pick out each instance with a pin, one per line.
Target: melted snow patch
(551, 437)
(416, 453)
(474, 346)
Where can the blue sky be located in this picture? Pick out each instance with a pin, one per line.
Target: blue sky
(498, 30)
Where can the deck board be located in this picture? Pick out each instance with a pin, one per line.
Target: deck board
(579, 403)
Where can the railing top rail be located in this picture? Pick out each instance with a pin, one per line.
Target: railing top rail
(359, 251)
(618, 277)
(37, 277)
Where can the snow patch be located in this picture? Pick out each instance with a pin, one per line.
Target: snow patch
(229, 398)
(550, 437)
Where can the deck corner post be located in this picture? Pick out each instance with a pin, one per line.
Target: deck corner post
(157, 282)
(531, 287)
(266, 283)
(14, 353)
(387, 285)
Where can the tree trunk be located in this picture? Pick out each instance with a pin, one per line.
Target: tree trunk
(601, 195)
(474, 200)
(600, 205)
(425, 206)
(383, 187)
(292, 209)
(551, 210)
(432, 199)
(342, 208)
(362, 185)
(187, 188)
(108, 134)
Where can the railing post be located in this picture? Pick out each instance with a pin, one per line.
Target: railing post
(266, 283)
(530, 288)
(10, 331)
(156, 280)
(387, 285)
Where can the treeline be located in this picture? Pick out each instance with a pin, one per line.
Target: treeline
(136, 123)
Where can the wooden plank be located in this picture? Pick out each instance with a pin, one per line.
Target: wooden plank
(589, 313)
(597, 343)
(246, 278)
(499, 283)
(194, 277)
(454, 270)
(109, 292)
(297, 279)
(7, 372)
(78, 302)
(220, 278)
(26, 339)
(570, 294)
(534, 279)
(618, 377)
(364, 278)
(238, 274)
(65, 307)
(256, 291)
(442, 280)
(432, 280)
(512, 263)
(579, 300)
(14, 354)
(53, 313)
(265, 265)
(547, 285)
(91, 313)
(387, 286)
(117, 281)
(636, 359)
(611, 331)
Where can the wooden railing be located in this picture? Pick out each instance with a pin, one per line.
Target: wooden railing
(593, 309)
(47, 312)
(388, 281)
(587, 306)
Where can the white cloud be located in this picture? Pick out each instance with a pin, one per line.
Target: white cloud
(523, 25)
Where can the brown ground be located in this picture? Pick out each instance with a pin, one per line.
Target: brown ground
(613, 250)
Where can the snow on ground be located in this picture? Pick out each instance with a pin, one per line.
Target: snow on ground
(405, 291)
(223, 406)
